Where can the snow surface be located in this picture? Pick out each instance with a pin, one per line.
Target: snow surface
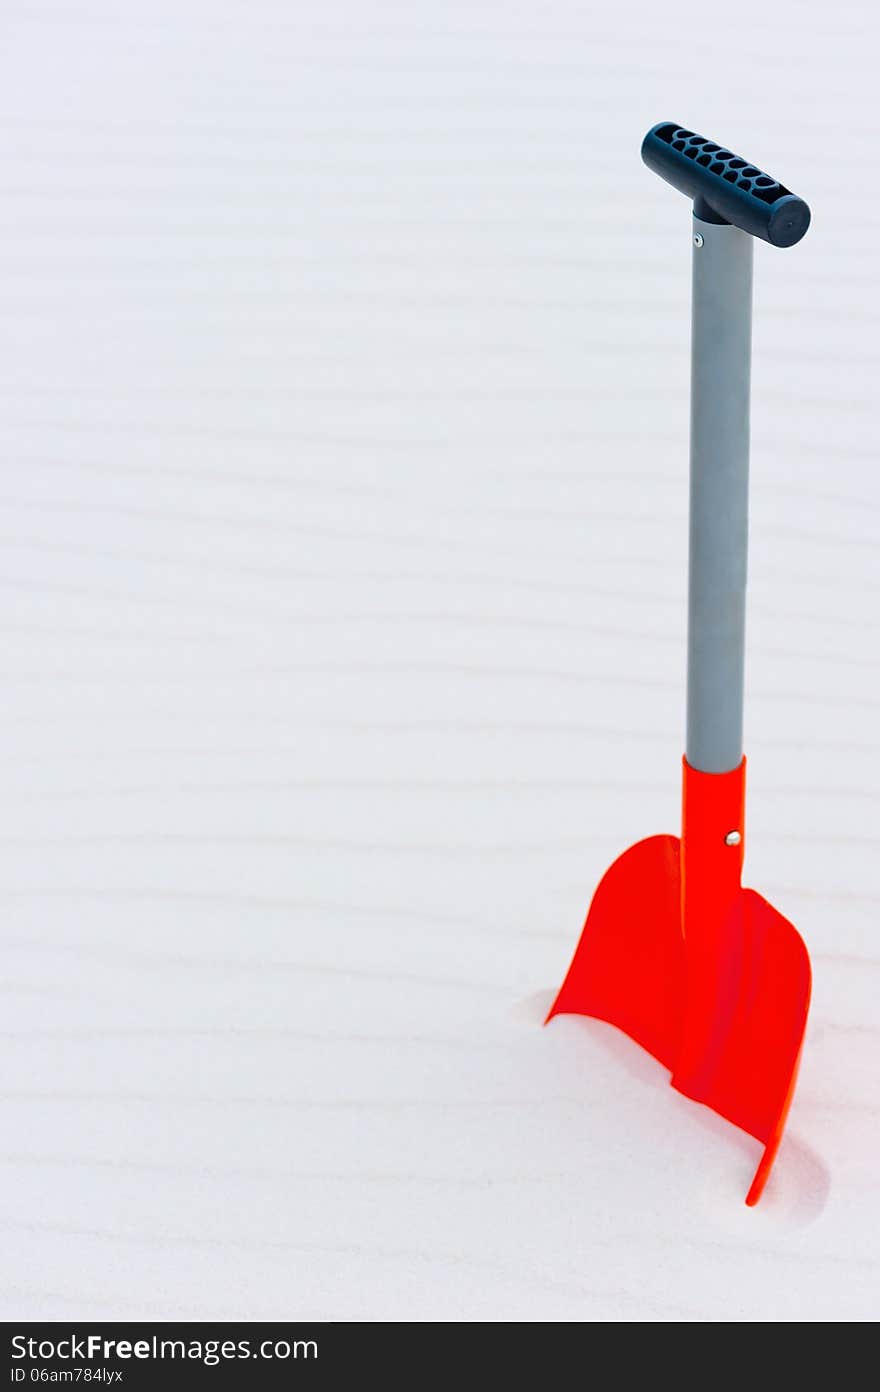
(343, 547)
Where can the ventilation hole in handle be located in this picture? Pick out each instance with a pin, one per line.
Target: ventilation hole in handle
(710, 148)
(716, 168)
(704, 160)
(724, 155)
(683, 135)
(765, 182)
(769, 195)
(737, 164)
(750, 172)
(678, 144)
(731, 176)
(690, 152)
(745, 184)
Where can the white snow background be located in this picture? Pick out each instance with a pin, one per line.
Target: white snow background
(344, 427)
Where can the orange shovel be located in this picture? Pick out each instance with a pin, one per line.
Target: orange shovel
(704, 974)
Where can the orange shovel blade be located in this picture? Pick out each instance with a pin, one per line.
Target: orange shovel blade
(749, 1064)
(628, 967)
(714, 983)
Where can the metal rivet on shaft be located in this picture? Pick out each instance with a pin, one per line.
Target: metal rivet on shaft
(732, 838)
(698, 240)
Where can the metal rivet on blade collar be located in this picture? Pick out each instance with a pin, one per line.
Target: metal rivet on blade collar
(732, 838)
(698, 240)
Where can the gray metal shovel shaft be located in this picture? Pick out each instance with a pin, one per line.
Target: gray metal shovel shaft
(720, 371)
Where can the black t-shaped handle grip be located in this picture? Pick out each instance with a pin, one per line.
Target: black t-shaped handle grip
(724, 185)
